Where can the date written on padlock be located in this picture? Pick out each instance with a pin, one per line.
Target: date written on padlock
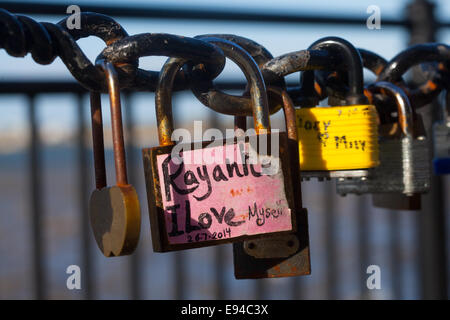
(226, 197)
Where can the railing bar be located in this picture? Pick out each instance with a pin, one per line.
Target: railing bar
(179, 278)
(65, 86)
(395, 254)
(431, 221)
(296, 287)
(83, 184)
(35, 168)
(260, 289)
(219, 263)
(205, 14)
(135, 259)
(433, 265)
(362, 241)
(330, 234)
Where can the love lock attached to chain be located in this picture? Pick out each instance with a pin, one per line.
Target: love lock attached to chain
(338, 141)
(114, 211)
(404, 170)
(203, 194)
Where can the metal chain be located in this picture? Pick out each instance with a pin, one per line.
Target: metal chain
(331, 67)
(46, 41)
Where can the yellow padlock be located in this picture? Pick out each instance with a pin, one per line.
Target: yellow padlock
(338, 138)
(337, 141)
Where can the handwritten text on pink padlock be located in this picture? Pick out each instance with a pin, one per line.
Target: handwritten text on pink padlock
(221, 199)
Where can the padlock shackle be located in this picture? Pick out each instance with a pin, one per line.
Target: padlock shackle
(98, 141)
(116, 126)
(292, 135)
(351, 60)
(163, 93)
(258, 94)
(308, 89)
(163, 99)
(288, 110)
(404, 108)
(314, 86)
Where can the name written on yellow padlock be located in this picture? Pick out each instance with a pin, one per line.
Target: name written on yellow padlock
(338, 138)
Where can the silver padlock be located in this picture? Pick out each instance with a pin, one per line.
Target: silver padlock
(404, 170)
(441, 139)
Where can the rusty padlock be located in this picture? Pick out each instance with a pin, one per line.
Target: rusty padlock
(283, 255)
(216, 192)
(114, 211)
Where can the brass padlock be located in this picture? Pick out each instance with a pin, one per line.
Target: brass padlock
(284, 255)
(114, 211)
(203, 194)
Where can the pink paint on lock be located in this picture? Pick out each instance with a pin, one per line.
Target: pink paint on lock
(214, 195)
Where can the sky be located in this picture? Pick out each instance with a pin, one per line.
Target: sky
(58, 111)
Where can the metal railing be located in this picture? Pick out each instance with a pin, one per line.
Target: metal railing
(430, 226)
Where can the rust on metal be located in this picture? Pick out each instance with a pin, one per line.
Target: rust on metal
(282, 246)
(404, 109)
(116, 122)
(114, 211)
(162, 240)
(97, 140)
(163, 105)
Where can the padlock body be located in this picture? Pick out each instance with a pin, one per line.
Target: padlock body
(338, 138)
(280, 255)
(404, 168)
(441, 141)
(115, 218)
(221, 192)
(276, 256)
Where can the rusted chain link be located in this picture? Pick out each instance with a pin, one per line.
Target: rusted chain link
(46, 41)
(219, 101)
(331, 67)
